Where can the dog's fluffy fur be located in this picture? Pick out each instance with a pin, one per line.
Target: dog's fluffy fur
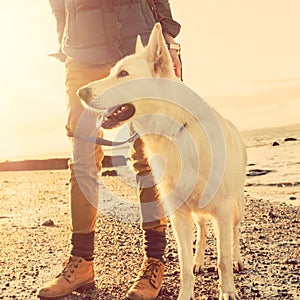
(227, 206)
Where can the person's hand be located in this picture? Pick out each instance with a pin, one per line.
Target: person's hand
(174, 55)
(58, 55)
(176, 62)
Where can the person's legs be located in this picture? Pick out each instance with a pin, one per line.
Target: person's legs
(86, 158)
(84, 166)
(85, 163)
(149, 280)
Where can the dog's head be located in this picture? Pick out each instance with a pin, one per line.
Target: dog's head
(152, 61)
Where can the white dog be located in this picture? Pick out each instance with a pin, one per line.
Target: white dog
(166, 139)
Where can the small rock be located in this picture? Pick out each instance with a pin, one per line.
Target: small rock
(175, 273)
(258, 172)
(271, 215)
(290, 139)
(293, 198)
(171, 256)
(275, 144)
(211, 269)
(110, 173)
(283, 184)
(48, 223)
(254, 290)
(291, 262)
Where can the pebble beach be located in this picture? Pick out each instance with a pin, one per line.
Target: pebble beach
(35, 230)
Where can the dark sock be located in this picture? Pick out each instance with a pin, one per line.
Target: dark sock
(155, 244)
(83, 245)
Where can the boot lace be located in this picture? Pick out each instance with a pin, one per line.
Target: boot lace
(149, 270)
(69, 267)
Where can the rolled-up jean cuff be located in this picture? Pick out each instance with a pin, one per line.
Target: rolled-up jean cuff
(157, 225)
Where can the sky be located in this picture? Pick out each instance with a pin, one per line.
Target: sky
(242, 57)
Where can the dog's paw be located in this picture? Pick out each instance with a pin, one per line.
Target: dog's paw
(188, 298)
(198, 264)
(198, 268)
(229, 296)
(238, 266)
(186, 295)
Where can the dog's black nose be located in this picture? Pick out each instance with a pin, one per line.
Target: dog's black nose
(85, 94)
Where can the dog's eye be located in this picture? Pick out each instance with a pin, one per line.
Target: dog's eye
(122, 73)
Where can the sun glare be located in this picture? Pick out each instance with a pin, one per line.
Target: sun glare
(224, 53)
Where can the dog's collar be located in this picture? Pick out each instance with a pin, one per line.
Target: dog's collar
(104, 142)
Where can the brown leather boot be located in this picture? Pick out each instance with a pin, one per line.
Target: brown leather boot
(77, 274)
(148, 282)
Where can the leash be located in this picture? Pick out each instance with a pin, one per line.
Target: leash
(104, 142)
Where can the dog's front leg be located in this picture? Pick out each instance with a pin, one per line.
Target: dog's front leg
(200, 243)
(237, 218)
(182, 223)
(224, 238)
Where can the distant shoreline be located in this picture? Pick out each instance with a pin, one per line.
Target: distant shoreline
(269, 130)
(53, 164)
(61, 163)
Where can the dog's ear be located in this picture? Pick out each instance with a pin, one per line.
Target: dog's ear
(158, 53)
(139, 47)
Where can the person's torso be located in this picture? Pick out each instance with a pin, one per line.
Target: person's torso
(103, 31)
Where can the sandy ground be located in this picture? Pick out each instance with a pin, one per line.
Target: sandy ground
(31, 253)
